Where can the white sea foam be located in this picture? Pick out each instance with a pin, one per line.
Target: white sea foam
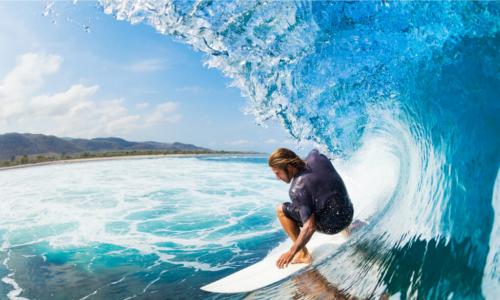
(16, 289)
(138, 204)
(163, 205)
(370, 176)
(491, 277)
(13, 294)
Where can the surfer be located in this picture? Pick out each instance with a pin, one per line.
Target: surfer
(320, 201)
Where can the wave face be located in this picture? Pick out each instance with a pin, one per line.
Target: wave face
(422, 78)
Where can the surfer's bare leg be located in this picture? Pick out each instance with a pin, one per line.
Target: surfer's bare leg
(293, 231)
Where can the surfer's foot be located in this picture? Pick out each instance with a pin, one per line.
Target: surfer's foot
(301, 258)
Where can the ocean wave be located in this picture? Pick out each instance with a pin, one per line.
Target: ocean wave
(422, 76)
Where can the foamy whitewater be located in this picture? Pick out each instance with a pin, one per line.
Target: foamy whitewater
(148, 228)
(128, 228)
(404, 96)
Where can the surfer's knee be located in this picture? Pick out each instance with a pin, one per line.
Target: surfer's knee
(279, 210)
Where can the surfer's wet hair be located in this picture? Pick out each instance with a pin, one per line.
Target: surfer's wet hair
(282, 157)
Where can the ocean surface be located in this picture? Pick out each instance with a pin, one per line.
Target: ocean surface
(150, 228)
(146, 228)
(403, 96)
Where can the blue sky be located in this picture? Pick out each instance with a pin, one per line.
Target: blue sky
(71, 70)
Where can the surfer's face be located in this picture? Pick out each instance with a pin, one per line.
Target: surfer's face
(282, 175)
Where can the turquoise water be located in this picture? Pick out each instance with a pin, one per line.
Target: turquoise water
(149, 228)
(404, 95)
(422, 77)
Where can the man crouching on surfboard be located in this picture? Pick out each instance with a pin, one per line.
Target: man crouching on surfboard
(319, 200)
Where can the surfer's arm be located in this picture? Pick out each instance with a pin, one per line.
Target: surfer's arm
(304, 236)
(299, 244)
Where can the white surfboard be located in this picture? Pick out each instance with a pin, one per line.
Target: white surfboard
(266, 272)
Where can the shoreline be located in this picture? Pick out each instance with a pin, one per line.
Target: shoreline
(119, 157)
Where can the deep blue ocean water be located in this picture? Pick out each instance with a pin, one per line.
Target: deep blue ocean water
(404, 96)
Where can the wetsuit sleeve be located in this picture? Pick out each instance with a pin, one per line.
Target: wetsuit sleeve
(305, 213)
(303, 202)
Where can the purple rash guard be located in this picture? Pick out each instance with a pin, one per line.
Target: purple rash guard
(319, 189)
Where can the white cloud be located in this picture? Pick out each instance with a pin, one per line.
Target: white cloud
(73, 112)
(61, 103)
(142, 105)
(238, 142)
(164, 113)
(147, 65)
(270, 141)
(25, 79)
(195, 89)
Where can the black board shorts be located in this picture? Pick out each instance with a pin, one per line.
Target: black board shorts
(330, 220)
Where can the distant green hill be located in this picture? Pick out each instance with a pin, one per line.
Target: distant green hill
(13, 145)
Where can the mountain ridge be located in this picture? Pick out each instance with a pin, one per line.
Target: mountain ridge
(15, 144)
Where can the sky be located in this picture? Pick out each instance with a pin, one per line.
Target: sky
(72, 71)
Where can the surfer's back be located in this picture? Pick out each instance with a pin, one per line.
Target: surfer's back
(322, 181)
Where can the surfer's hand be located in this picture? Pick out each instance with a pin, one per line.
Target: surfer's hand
(284, 260)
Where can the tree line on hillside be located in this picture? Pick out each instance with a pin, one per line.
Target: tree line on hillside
(33, 159)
